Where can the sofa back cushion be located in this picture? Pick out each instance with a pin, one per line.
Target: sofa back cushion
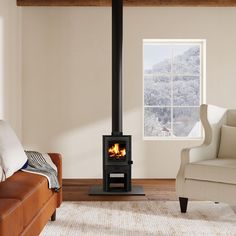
(227, 142)
(12, 155)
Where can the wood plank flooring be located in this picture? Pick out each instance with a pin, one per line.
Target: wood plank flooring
(155, 189)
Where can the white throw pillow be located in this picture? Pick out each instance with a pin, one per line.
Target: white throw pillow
(12, 155)
(227, 142)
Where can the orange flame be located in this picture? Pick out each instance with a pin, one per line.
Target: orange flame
(116, 151)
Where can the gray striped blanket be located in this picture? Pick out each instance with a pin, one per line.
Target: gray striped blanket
(42, 164)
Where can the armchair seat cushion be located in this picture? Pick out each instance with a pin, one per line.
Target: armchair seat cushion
(215, 170)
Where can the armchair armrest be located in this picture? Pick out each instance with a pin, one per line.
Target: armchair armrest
(198, 153)
(212, 118)
(194, 154)
(57, 160)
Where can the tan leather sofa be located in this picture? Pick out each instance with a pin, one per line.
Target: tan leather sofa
(26, 202)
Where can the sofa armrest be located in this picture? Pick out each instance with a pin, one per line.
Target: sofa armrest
(57, 160)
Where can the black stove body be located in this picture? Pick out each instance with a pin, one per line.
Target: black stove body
(117, 147)
(117, 163)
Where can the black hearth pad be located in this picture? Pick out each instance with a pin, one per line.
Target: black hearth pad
(97, 190)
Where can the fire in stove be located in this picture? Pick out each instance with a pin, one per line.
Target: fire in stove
(117, 151)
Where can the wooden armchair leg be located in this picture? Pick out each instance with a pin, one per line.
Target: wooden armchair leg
(53, 217)
(183, 204)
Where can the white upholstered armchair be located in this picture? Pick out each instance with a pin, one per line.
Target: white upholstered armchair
(208, 172)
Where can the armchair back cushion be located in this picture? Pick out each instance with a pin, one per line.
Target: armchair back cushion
(227, 142)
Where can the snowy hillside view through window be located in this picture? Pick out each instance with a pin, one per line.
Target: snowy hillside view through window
(173, 81)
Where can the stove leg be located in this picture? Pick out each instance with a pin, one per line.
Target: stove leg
(106, 181)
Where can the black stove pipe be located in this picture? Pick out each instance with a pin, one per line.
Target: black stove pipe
(117, 40)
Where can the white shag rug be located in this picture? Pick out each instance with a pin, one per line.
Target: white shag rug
(146, 218)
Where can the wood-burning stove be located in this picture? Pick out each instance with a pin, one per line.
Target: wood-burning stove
(117, 159)
(117, 163)
(117, 147)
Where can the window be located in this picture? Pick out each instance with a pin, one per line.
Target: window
(173, 88)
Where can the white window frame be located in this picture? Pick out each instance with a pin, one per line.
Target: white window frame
(202, 43)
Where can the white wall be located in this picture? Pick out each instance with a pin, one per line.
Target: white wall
(67, 80)
(10, 64)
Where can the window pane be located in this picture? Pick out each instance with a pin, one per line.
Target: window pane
(186, 91)
(157, 121)
(186, 59)
(186, 122)
(157, 58)
(157, 91)
(172, 87)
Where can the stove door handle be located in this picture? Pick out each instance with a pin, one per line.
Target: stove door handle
(130, 162)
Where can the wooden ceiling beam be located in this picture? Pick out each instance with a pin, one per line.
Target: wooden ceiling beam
(131, 3)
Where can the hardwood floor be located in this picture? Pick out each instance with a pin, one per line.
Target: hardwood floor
(155, 189)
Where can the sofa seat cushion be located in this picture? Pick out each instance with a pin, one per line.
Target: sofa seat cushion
(216, 170)
(11, 217)
(31, 189)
